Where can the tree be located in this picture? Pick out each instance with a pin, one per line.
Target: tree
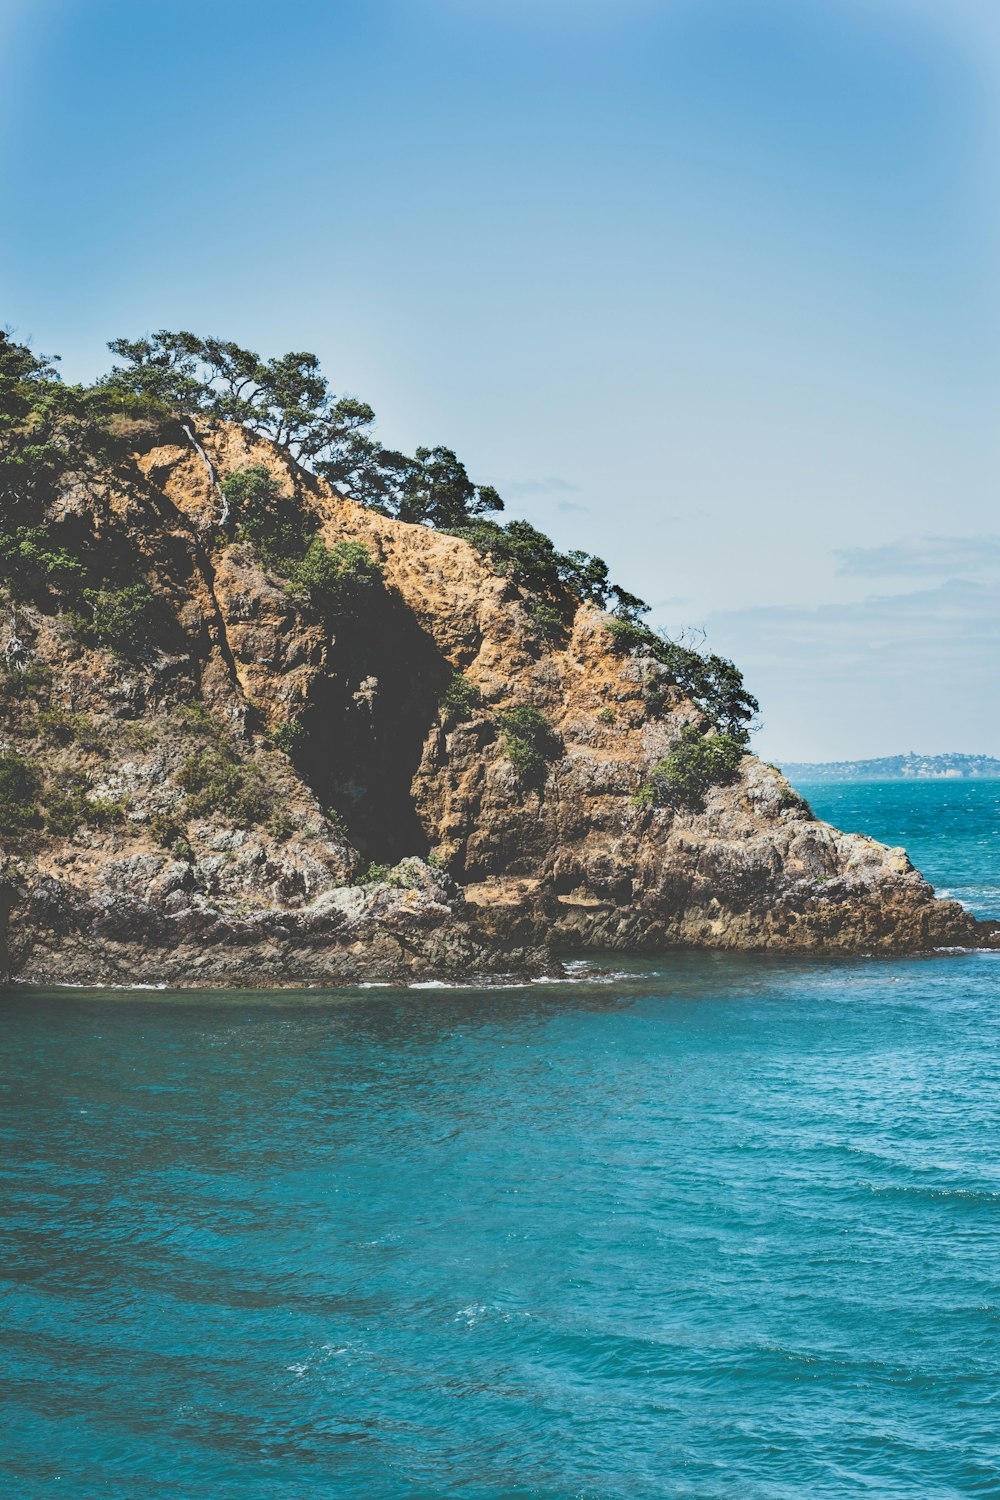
(435, 488)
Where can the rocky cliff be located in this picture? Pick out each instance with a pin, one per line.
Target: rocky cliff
(256, 798)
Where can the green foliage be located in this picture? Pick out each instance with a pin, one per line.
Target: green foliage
(66, 799)
(23, 684)
(68, 728)
(528, 557)
(629, 636)
(459, 701)
(606, 716)
(712, 682)
(281, 826)
(288, 737)
(547, 620)
(20, 784)
(400, 876)
(69, 806)
(165, 829)
(120, 618)
(696, 763)
(31, 557)
(529, 742)
(217, 782)
(139, 736)
(195, 719)
(272, 521)
(335, 580)
(434, 487)
(557, 580)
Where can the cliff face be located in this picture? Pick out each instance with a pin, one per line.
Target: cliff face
(214, 857)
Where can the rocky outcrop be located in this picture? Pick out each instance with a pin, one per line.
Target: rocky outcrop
(275, 875)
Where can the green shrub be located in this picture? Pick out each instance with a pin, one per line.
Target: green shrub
(546, 620)
(194, 718)
(459, 700)
(335, 580)
(280, 825)
(217, 782)
(606, 716)
(120, 618)
(528, 742)
(711, 682)
(67, 728)
(20, 784)
(272, 522)
(696, 763)
(69, 806)
(165, 829)
(528, 557)
(630, 635)
(31, 555)
(287, 737)
(24, 682)
(139, 736)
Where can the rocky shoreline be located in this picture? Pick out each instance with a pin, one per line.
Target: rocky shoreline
(265, 801)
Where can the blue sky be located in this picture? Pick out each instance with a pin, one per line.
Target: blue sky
(708, 287)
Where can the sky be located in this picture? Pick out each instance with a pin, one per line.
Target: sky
(707, 287)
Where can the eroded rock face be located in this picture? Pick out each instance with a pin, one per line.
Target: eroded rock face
(262, 886)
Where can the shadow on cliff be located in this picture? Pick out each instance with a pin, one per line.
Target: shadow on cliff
(367, 722)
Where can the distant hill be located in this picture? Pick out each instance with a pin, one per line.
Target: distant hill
(897, 768)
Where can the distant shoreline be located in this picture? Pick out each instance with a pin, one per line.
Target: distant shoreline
(951, 767)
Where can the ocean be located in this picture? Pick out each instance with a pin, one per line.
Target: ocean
(708, 1226)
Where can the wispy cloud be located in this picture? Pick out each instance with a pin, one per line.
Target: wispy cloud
(551, 485)
(925, 557)
(887, 673)
(952, 627)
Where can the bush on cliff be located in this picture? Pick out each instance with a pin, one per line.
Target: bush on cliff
(122, 618)
(216, 781)
(271, 521)
(20, 784)
(459, 701)
(712, 682)
(696, 763)
(334, 580)
(528, 742)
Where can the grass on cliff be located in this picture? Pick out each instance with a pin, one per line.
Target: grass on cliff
(60, 802)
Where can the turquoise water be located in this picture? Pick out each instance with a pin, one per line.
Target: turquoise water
(713, 1227)
(951, 829)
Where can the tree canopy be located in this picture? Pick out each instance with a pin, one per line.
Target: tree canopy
(49, 428)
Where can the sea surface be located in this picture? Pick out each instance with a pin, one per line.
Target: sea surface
(710, 1226)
